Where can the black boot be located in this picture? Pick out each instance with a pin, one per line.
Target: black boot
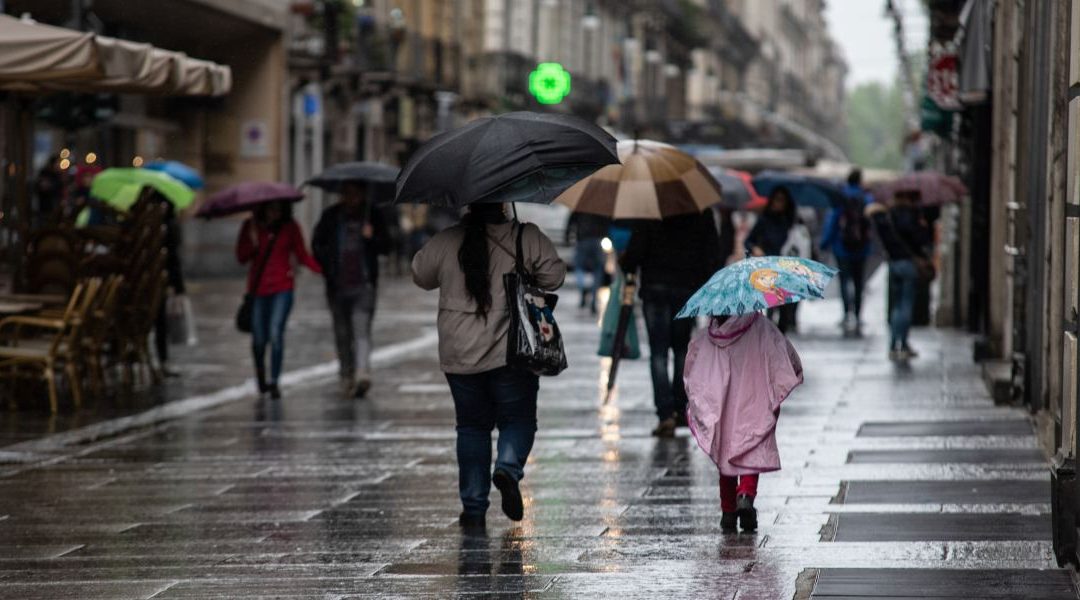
(472, 522)
(729, 522)
(260, 379)
(747, 513)
(275, 391)
(512, 505)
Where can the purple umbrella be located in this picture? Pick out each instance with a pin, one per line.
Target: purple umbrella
(246, 196)
(934, 188)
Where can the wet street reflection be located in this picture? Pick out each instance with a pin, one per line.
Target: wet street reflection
(316, 496)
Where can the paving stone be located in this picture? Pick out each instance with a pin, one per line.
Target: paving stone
(881, 584)
(947, 492)
(886, 527)
(979, 456)
(946, 428)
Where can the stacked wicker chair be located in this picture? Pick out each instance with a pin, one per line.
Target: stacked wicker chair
(114, 281)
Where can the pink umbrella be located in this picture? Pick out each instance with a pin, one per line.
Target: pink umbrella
(934, 188)
(246, 196)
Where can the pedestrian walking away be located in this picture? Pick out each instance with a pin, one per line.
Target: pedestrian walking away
(738, 373)
(174, 273)
(904, 237)
(769, 237)
(269, 240)
(347, 242)
(589, 231)
(847, 236)
(676, 256)
(466, 263)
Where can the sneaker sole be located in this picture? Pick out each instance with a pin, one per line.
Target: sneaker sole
(512, 505)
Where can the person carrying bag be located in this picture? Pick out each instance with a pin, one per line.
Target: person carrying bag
(493, 378)
(243, 314)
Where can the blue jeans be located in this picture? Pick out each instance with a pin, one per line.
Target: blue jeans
(903, 281)
(589, 258)
(268, 316)
(505, 398)
(660, 305)
(852, 271)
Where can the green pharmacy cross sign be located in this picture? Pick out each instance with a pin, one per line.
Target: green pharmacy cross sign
(549, 83)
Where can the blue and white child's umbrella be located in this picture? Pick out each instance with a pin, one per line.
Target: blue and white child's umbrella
(758, 283)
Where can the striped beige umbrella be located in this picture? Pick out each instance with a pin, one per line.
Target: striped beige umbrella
(654, 181)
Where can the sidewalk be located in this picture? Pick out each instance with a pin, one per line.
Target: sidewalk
(221, 360)
(913, 471)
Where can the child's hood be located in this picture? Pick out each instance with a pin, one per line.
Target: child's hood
(732, 330)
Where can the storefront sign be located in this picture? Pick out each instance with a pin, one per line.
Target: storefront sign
(254, 139)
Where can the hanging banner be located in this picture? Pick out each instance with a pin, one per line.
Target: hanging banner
(943, 81)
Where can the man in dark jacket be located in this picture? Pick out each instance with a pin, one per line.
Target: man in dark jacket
(676, 256)
(347, 241)
(905, 237)
(847, 236)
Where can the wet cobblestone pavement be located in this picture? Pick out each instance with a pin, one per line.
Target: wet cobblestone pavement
(910, 470)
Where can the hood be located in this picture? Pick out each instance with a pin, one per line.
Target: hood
(732, 330)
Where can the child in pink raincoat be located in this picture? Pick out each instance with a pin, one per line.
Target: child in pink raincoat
(737, 373)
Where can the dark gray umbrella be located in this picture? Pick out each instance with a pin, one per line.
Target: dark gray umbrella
(515, 157)
(332, 178)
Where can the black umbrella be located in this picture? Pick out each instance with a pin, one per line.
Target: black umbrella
(515, 157)
(334, 177)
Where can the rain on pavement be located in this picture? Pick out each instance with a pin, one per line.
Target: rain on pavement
(911, 470)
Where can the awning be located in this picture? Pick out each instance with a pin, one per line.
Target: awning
(41, 58)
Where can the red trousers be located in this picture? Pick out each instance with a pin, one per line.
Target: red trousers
(732, 487)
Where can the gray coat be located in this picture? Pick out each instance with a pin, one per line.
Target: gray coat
(468, 343)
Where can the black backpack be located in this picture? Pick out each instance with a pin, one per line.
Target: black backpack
(854, 226)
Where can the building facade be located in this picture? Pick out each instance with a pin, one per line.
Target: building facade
(1017, 142)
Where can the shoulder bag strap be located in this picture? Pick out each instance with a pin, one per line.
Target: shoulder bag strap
(262, 263)
(519, 260)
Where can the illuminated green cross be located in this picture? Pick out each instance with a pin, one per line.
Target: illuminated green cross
(549, 83)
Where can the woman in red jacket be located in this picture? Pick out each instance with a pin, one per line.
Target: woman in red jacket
(273, 237)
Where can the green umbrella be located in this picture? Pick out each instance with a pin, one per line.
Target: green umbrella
(120, 187)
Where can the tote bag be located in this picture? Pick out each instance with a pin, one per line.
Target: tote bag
(535, 343)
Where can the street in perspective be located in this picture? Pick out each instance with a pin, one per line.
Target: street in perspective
(731, 299)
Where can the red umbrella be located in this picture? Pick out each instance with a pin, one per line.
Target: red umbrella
(246, 196)
(934, 188)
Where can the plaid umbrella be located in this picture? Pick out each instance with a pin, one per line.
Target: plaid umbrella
(654, 181)
(934, 188)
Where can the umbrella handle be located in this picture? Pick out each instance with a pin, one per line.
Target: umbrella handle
(629, 289)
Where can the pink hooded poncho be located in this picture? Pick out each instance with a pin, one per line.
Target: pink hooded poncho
(736, 375)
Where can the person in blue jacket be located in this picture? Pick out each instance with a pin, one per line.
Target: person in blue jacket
(847, 236)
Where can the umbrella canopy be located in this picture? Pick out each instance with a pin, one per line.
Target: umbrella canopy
(246, 196)
(738, 189)
(934, 188)
(116, 185)
(514, 157)
(333, 178)
(758, 283)
(654, 181)
(178, 170)
(805, 190)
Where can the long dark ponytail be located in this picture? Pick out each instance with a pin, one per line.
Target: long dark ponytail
(473, 256)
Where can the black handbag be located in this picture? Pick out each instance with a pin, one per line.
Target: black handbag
(243, 314)
(535, 343)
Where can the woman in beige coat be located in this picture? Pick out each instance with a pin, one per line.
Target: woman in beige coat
(466, 263)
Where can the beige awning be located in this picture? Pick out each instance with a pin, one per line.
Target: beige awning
(41, 58)
(33, 52)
